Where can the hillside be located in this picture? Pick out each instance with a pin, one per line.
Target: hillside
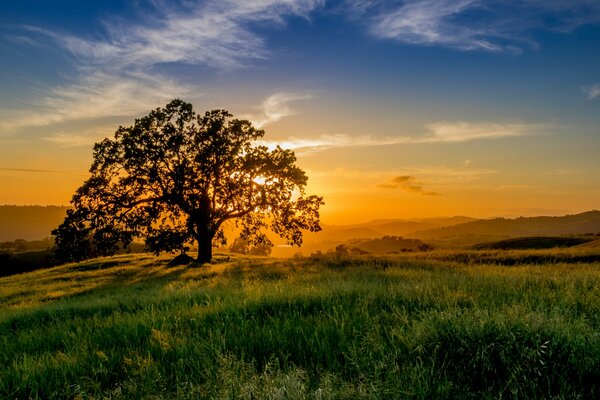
(393, 227)
(334, 235)
(29, 222)
(588, 222)
(324, 327)
(535, 242)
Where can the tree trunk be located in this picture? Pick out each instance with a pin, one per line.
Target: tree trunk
(200, 218)
(204, 249)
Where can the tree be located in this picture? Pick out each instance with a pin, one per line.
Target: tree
(176, 177)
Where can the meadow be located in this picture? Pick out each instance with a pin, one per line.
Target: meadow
(440, 324)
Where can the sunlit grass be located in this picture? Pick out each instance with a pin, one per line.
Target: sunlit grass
(417, 325)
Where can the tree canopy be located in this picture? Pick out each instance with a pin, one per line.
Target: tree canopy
(176, 177)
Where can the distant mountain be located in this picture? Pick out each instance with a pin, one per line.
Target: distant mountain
(379, 228)
(587, 222)
(406, 227)
(29, 222)
(333, 235)
(36, 222)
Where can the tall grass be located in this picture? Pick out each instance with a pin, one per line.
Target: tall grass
(435, 325)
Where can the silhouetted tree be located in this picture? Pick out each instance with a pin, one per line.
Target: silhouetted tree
(176, 177)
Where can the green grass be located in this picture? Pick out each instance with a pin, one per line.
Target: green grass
(442, 324)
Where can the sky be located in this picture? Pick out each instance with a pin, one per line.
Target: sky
(395, 109)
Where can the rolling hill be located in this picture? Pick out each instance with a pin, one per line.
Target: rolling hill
(395, 227)
(333, 235)
(534, 242)
(587, 222)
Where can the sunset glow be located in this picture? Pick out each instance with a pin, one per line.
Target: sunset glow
(403, 109)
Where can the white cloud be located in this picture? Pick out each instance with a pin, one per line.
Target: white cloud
(465, 131)
(97, 95)
(489, 25)
(324, 142)
(276, 107)
(116, 74)
(441, 132)
(427, 22)
(592, 91)
(214, 33)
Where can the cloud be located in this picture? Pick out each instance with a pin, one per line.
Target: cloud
(70, 140)
(276, 107)
(446, 174)
(592, 91)
(446, 178)
(325, 142)
(94, 95)
(216, 33)
(440, 132)
(85, 137)
(488, 25)
(39, 171)
(407, 183)
(461, 131)
(116, 73)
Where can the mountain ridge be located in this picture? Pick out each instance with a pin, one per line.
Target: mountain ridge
(581, 223)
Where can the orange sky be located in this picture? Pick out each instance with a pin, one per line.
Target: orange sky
(361, 182)
(395, 109)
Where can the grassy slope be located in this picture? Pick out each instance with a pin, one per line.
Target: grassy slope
(407, 326)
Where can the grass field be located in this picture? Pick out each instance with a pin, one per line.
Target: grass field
(442, 324)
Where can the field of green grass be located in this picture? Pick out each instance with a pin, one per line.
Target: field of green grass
(441, 324)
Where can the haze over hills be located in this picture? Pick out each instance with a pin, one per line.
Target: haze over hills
(378, 228)
(36, 222)
(333, 235)
(29, 222)
(587, 222)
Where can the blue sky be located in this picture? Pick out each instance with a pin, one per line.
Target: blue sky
(462, 95)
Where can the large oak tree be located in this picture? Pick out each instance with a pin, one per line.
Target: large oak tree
(175, 177)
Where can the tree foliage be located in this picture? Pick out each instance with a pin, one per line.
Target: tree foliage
(176, 177)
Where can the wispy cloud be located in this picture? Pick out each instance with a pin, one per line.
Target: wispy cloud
(446, 178)
(215, 33)
(325, 142)
(489, 25)
(460, 131)
(276, 107)
(117, 73)
(440, 132)
(407, 183)
(592, 91)
(441, 174)
(38, 171)
(85, 137)
(94, 95)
